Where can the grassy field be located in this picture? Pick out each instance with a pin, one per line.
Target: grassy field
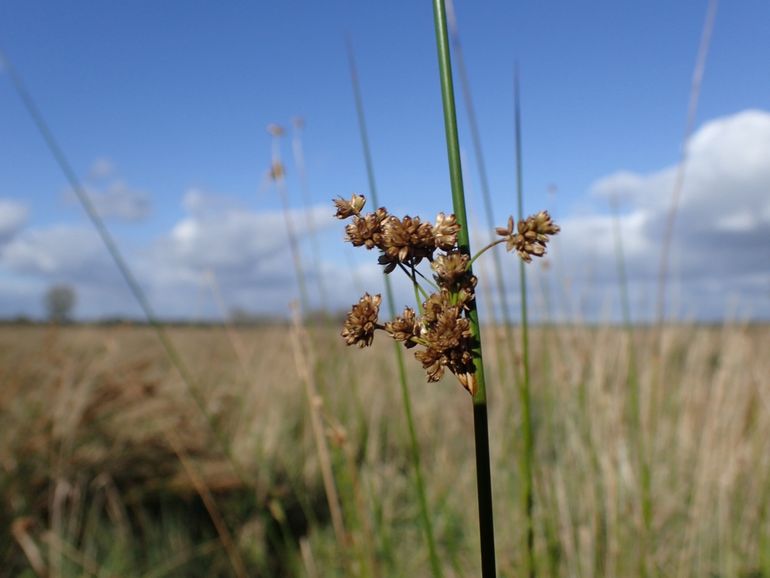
(109, 468)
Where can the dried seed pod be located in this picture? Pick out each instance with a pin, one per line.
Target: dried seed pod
(361, 322)
(349, 208)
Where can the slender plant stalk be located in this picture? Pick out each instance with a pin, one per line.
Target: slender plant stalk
(425, 519)
(225, 536)
(634, 397)
(480, 417)
(168, 346)
(170, 350)
(296, 257)
(676, 193)
(306, 366)
(298, 152)
(528, 434)
(486, 195)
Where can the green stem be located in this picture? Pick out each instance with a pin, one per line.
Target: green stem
(427, 280)
(528, 456)
(425, 518)
(418, 290)
(634, 414)
(480, 419)
(486, 195)
(417, 297)
(484, 250)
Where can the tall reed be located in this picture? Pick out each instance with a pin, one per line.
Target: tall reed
(425, 519)
(634, 408)
(307, 369)
(298, 153)
(486, 195)
(525, 397)
(480, 414)
(676, 192)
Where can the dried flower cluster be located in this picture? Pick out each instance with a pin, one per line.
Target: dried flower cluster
(442, 330)
(531, 235)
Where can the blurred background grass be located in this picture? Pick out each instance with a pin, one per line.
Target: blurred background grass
(108, 469)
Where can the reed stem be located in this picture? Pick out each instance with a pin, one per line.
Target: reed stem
(298, 151)
(634, 397)
(480, 418)
(528, 455)
(486, 195)
(425, 520)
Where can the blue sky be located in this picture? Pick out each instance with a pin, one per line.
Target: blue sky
(162, 109)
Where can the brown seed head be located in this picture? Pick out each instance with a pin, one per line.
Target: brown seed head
(506, 231)
(452, 270)
(434, 305)
(361, 322)
(468, 381)
(531, 236)
(276, 171)
(445, 232)
(404, 328)
(407, 240)
(275, 130)
(349, 208)
(433, 361)
(367, 230)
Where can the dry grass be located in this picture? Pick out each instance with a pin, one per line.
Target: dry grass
(91, 485)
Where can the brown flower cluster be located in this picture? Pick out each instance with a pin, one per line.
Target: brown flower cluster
(406, 241)
(441, 331)
(362, 321)
(531, 235)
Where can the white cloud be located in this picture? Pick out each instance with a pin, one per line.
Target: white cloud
(101, 168)
(112, 197)
(118, 201)
(63, 252)
(721, 251)
(13, 215)
(722, 234)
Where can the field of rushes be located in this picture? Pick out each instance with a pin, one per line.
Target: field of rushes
(108, 468)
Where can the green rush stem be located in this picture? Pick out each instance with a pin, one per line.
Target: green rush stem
(418, 290)
(484, 250)
(634, 400)
(427, 280)
(465, 89)
(528, 456)
(425, 518)
(112, 248)
(480, 420)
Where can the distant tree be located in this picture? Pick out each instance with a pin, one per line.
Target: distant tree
(59, 303)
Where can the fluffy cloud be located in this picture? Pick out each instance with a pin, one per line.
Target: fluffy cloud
(246, 253)
(721, 247)
(720, 259)
(12, 217)
(119, 201)
(112, 197)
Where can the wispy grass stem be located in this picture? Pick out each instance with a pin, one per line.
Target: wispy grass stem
(112, 248)
(528, 434)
